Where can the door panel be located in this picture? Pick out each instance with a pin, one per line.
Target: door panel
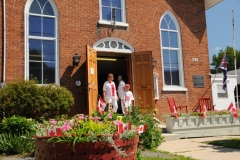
(143, 80)
(92, 83)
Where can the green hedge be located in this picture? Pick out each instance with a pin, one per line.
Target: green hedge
(30, 100)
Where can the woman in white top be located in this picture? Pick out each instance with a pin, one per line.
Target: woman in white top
(110, 93)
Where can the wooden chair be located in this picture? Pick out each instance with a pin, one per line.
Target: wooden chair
(208, 101)
(172, 104)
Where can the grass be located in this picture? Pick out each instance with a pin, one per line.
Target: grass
(162, 155)
(227, 143)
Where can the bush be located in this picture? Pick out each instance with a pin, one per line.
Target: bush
(30, 100)
(152, 138)
(17, 125)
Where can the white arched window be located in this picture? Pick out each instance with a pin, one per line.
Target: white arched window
(171, 52)
(41, 41)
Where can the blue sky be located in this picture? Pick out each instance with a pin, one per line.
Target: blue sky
(219, 26)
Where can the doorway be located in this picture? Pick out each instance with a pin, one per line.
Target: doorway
(115, 63)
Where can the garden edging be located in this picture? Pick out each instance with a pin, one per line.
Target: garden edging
(194, 126)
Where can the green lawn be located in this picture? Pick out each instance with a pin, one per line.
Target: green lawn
(227, 143)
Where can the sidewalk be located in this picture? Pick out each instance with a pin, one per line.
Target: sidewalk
(195, 149)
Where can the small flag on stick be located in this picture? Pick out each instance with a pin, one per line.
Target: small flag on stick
(233, 110)
(101, 105)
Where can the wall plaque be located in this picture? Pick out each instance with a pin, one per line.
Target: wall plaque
(198, 81)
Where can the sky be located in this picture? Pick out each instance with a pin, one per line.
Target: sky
(219, 26)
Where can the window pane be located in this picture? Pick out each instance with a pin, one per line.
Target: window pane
(174, 58)
(106, 3)
(48, 10)
(116, 3)
(173, 39)
(107, 44)
(172, 25)
(34, 26)
(106, 13)
(118, 15)
(165, 39)
(48, 51)
(48, 27)
(35, 70)
(48, 72)
(42, 2)
(175, 76)
(35, 50)
(167, 76)
(164, 24)
(168, 18)
(35, 8)
(166, 58)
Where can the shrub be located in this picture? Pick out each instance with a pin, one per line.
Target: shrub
(17, 125)
(28, 99)
(152, 138)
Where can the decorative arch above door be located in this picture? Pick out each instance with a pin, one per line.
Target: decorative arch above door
(113, 45)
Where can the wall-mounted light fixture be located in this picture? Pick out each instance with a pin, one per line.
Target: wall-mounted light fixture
(76, 59)
(154, 62)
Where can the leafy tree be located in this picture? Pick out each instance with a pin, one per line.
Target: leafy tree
(216, 60)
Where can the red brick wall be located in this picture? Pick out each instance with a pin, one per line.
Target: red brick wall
(77, 28)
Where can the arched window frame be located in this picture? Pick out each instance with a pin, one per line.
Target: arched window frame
(27, 37)
(129, 48)
(181, 86)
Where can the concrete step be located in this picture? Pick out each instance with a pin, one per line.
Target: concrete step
(170, 136)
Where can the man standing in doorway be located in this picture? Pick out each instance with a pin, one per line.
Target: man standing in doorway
(120, 91)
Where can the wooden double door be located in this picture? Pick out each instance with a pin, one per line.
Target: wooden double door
(140, 76)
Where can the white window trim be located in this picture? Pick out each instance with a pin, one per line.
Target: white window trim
(123, 12)
(131, 50)
(180, 59)
(26, 15)
(155, 81)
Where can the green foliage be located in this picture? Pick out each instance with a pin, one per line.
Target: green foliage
(16, 144)
(17, 125)
(152, 138)
(28, 99)
(216, 60)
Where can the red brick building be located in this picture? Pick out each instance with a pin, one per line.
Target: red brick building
(40, 38)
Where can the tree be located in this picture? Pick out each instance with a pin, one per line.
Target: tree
(216, 60)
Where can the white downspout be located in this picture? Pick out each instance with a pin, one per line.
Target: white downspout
(4, 41)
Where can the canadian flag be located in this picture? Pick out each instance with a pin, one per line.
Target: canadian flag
(174, 111)
(141, 129)
(122, 128)
(101, 105)
(233, 110)
(204, 110)
(54, 132)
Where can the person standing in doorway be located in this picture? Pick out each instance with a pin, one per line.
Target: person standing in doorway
(110, 93)
(120, 91)
(127, 100)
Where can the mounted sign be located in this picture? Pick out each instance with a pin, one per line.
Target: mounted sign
(198, 81)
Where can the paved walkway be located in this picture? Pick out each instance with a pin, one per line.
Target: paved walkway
(196, 149)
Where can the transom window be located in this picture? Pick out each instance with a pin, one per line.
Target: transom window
(42, 42)
(110, 7)
(171, 50)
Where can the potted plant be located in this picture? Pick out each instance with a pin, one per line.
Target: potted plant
(83, 137)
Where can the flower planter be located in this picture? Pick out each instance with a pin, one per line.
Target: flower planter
(192, 126)
(84, 151)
